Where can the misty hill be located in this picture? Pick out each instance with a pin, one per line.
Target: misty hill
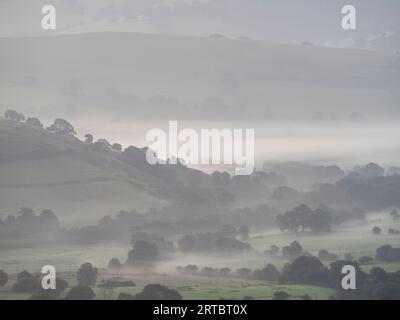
(40, 169)
(174, 77)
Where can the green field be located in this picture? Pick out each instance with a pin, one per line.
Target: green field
(356, 240)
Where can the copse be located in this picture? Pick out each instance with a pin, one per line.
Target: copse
(14, 115)
(302, 217)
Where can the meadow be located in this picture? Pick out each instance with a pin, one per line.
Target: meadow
(356, 239)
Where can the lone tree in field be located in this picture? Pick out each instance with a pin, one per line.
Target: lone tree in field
(3, 278)
(14, 115)
(87, 275)
(376, 230)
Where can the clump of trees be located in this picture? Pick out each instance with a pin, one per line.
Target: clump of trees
(26, 282)
(387, 253)
(376, 230)
(63, 127)
(143, 254)
(293, 250)
(115, 283)
(269, 273)
(221, 241)
(303, 217)
(305, 270)
(14, 115)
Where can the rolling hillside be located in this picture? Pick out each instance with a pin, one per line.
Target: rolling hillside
(39, 169)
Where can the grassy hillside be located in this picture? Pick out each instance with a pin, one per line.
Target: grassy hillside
(39, 169)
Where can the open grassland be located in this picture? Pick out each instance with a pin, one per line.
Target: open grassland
(354, 239)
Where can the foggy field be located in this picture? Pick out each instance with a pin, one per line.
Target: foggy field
(356, 239)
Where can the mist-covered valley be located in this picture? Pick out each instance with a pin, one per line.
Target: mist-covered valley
(77, 193)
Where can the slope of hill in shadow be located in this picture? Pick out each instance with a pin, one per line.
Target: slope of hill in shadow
(40, 169)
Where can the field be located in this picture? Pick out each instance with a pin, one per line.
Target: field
(355, 239)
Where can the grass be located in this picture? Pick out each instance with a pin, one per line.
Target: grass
(356, 239)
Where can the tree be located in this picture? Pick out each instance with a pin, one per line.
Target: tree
(114, 263)
(306, 270)
(295, 219)
(88, 138)
(62, 127)
(117, 147)
(48, 218)
(326, 255)
(26, 282)
(273, 250)
(376, 230)
(34, 122)
(269, 273)
(80, 293)
(294, 250)
(320, 221)
(14, 115)
(143, 252)
(87, 275)
(102, 145)
(280, 295)
(3, 278)
(158, 292)
(387, 253)
(377, 275)
(395, 215)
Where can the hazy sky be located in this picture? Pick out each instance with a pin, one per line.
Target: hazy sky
(306, 103)
(317, 21)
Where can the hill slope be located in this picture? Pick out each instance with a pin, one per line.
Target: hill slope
(39, 169)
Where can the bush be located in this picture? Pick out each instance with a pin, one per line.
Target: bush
(80, 293)
(280, 295)
(268, 273)
(158, 292)
(387, 253)
(26, 282)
